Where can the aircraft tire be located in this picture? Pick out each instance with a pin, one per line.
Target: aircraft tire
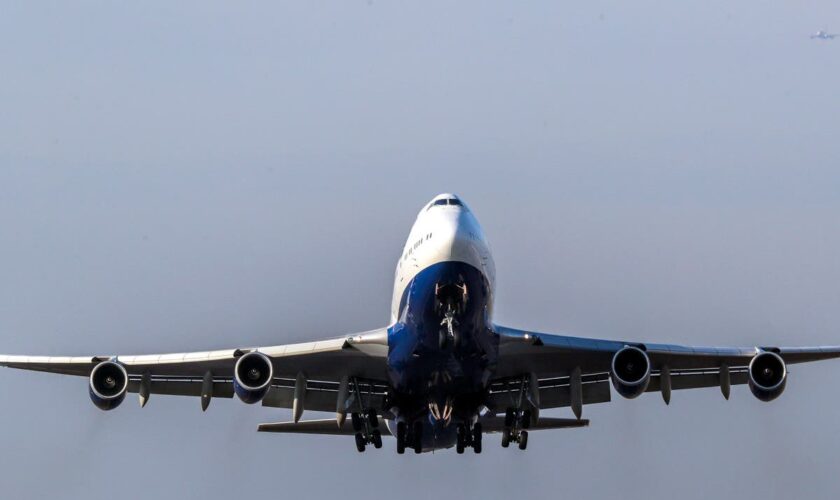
(523, 440)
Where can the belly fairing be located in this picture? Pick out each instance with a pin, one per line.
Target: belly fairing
(417, 362)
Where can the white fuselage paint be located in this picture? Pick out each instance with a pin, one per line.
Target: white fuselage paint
(442, 233)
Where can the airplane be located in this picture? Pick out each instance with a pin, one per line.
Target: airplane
(823, 35)
(442, 374)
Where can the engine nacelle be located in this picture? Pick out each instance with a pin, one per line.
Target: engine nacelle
(252, 377)
(108, 385)
(630, 371)
(767, 376)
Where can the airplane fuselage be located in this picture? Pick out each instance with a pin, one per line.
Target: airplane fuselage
(441, 347)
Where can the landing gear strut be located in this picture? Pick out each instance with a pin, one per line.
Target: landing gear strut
(516, 423)
(468, 438)
(365, 423)
(451, 301)
(367, 430)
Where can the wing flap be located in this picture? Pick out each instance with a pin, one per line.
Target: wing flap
(697, 379)
(554, 392)
(323, 395)
(189, 387)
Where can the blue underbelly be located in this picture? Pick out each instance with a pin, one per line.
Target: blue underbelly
(417, 362)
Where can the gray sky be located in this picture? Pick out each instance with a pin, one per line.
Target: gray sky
(179, 176)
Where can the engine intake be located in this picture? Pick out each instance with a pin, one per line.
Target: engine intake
(630, 371)
(767, 376)
(252, 377)
(108, 385)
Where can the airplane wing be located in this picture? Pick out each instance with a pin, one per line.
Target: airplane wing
(323, 364)
(550, 365)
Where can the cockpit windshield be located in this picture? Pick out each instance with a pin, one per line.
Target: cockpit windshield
(447, 201)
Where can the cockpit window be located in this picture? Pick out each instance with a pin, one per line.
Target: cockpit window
(447, 201)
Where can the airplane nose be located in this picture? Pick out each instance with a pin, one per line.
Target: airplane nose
(453, 235)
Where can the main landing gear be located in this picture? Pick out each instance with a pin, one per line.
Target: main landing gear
(516, 423)
(467, 437)
(413, 439)
(367, 430)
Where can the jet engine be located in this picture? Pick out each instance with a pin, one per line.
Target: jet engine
(108, 385)
(252, 377)
(630, 371)
(767, 375)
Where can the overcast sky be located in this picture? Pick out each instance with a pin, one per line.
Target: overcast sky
(197, 175)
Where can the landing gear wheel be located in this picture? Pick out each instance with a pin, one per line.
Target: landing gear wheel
(505, 438)
(401, 437)
(376, 437)
(360, 442)
(372, 418)
(476, 435)
(357, 422)
(523, 440)
(461, 438)
(417, 438)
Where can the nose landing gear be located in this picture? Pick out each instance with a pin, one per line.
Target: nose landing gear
(449, 332)
(451, 302)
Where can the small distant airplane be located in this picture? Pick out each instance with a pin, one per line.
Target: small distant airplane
(823, 35)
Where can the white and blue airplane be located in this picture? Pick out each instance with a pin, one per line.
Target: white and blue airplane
(442, 374)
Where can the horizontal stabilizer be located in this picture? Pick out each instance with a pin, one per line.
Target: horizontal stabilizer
(329, 427)
(497, 424)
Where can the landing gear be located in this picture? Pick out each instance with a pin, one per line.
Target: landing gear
(476, 438)
(451, 302)
(523, 440)
(417, 437)
(366, 425)
(405, 439)
(372, 419)
(468, 438)
(449, 331)
(401, 436)
(515, 424)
